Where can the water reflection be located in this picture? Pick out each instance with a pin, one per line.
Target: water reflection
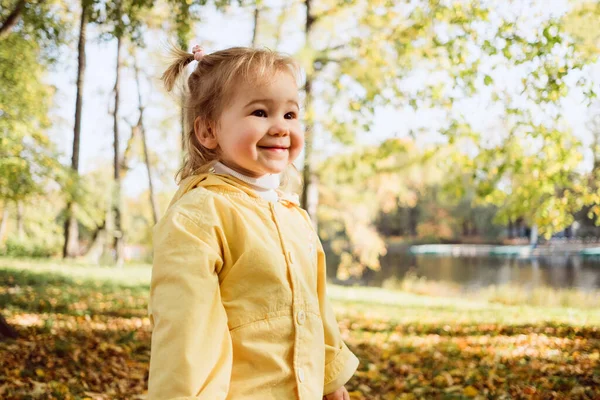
(558, 271)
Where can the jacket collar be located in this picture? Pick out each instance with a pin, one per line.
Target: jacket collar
(227, 183)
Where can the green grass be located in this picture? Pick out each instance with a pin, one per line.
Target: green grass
(406, 307)
(128, 287)
(129, 275)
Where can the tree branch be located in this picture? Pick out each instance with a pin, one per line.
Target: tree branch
(12, 19)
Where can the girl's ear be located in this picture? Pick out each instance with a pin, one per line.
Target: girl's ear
(205, 133)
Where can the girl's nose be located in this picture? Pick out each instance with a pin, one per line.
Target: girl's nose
(279, 129)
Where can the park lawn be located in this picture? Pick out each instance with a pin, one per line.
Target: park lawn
(85, 334)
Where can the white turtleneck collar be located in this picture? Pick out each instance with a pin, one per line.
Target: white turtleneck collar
(264, 186)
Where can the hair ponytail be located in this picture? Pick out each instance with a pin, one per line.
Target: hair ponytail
(180, 60)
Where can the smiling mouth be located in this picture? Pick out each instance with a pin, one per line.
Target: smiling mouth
(274, 148)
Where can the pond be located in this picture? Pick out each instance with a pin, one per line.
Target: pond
(556, 271)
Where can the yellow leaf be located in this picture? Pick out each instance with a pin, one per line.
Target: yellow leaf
(470, 391)
(39, 372)
(407, 396)
(356, 395)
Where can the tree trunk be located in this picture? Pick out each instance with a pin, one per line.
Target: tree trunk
(20, 225)
(4, 223)
(12, 19)
(140, 126)
(6, 331)
(309, 202)
(99, 244)
(116, 203)
(413, 218)
(255, 30)
(124, 167)
(71, 229)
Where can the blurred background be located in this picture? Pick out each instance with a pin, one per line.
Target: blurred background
(463, 123)
(452, 152)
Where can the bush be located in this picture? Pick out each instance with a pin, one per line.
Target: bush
(28, 247)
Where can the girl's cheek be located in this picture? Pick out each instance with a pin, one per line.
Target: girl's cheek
(246, 141)
(296, 149)
(298, 140)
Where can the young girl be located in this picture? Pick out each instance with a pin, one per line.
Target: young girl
(238, 297)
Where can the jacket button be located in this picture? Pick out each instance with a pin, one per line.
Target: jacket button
(301, 317)
(300, 375)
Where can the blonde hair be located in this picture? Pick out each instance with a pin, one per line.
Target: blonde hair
(209, 88)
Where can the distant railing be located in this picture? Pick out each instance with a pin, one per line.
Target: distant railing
(553, 247)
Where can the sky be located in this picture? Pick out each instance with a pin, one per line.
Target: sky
(219, 30)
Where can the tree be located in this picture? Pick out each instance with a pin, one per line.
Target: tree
(7, 331)
(27, 157)
(357, 185)
(123, 20)
(580, 24)
(529, 167)
(310, 194)
(254, 40)
(71, 244)
(116, 200)
(44, 20)
(140, 127)
(352, 70)
(12, 18)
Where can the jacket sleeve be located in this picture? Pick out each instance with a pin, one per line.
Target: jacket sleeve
(340, 362)
(191, 351)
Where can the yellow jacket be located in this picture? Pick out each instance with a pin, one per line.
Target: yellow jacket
(238, 300)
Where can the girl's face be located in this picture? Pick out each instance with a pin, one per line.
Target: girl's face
(259, 131)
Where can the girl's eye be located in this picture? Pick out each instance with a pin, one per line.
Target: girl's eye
(259, 113)
(290, 115)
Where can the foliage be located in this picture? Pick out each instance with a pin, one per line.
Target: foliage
(363, 50)
(45, 22)
(41, 228)
(353, 188)
(123, 18)
(91, 197)
(130, 18)
(465, 47)
(543, 186)
(443, 216)
(184, 14)
(371, 181)
(435, 55)
(138, 222)
(84, 333)
(28, 159)
(15, 247)
(579, 23)
(530, 166)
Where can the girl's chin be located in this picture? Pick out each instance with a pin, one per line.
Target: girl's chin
(273, 168)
